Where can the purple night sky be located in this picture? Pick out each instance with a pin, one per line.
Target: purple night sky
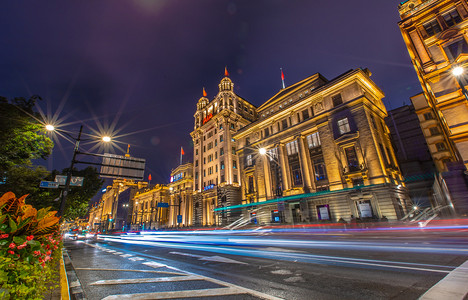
(142, 64)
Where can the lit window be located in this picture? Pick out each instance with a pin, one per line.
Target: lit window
(313, 140)
(220, 138)
(234, 164)
(233, 150)
(292, 148)
(249, 160)
(222, 165)
(343, 126)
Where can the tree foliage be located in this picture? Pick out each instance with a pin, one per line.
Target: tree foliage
(22, 136)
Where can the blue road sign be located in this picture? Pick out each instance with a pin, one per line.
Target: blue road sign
(179, 218)
(49, 184)
(163, 204)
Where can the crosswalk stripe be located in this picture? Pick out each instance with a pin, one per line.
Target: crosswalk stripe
(126, 255)
(135, 258)
(153, 264)
(177, 294)
(148, 280)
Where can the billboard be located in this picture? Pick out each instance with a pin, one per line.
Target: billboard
(119, 166)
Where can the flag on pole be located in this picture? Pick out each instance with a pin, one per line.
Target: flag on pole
(204, 92)
(226, 72)
(282, 78)
(181, 153)
(149, 177)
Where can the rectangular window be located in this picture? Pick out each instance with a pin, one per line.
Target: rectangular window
(222, 178)
(313, 140)
(204, 148)
(343, 126)
(428, 116)
(248, 160)
(441, 146)
(305, 114)
(221, 152)
(235, 178)
(320, 170)
(234, 164)
(232, 126)
(196, 175)
(216, 168)
(196, 151)
(216, 143)
(220, 126)
(220, 138)
(432, 27)
(204, 173)
(455, 49)
(337, 100)
(222, 165)
(267, 132)
(204, 160)
(351, 157)
(233, 150)
(210, 145)
(251, 188)
(247, 141)
(434, 130)
(216, 155)
(292, 148)
(284, 124)
(452, 17)
(196, 163)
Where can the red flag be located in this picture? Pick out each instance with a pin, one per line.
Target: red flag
(282, 78)
(149, 177)
(226, 72)
(204, 93)
(182, 151)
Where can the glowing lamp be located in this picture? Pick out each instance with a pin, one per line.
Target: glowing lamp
(262, 151)
(457, 71)
(50, 127)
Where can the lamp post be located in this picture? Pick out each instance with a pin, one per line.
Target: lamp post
(457, 72)
(77, 140)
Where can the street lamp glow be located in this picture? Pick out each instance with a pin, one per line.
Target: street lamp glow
(106, 139)
(50, 127)
(457, 71)
(415, 207)
(262, 151)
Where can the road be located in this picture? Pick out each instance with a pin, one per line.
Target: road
(270, 264)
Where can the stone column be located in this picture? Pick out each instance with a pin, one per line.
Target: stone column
(305, 165)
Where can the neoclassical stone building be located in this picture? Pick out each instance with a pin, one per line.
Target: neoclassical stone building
(216, 164)
(181, 196)
(320, 150)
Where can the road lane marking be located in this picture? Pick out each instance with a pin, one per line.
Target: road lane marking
(178, 294)
(154, 264)
(148, 280)
(136, 258)
(452, 286)
(118, 253)
(126, 270)
(126, 255)
(215, 258)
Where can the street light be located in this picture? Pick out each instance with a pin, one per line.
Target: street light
(458, 72)
(63, 199)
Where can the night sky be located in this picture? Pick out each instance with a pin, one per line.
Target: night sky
(141, 65)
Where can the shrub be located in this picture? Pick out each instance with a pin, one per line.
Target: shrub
(29, 246)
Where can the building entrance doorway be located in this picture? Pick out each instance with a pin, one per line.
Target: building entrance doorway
(296, 212)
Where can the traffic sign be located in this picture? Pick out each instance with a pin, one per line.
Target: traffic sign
(74, 181)
(49, 184)
(163, 204)
(179, 218)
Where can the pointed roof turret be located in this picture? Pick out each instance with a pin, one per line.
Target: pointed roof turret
(226, 83)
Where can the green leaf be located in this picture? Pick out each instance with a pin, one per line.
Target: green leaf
(12, 225)
(18, 240)
(2, 218)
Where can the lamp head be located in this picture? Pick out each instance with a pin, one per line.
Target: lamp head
(457, 71)
(262, 151)
(50, 127)
(106, 139)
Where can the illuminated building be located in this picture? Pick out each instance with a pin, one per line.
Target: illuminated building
(216, 165)
(147, 210)
(94, 218)
(435, 34)
(117, 204)
(327, 154)
(181, 196)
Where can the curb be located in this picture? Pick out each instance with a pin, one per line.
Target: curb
(64, 288)
(75, 290)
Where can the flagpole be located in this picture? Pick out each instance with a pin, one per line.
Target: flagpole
(282, 78)
(181, 155)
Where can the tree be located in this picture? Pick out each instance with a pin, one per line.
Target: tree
(22, 136)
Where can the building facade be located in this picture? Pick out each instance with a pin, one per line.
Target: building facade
(322, 151)
(150, 208)
(181, 196)
(216, 165)
(434, 33)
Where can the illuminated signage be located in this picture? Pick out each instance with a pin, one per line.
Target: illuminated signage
(177, 177)
(207, 118)
(209, 187)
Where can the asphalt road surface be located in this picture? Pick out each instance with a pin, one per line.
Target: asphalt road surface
(268, 264)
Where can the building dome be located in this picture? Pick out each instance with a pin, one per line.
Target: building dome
(203, 101)
(226, 85)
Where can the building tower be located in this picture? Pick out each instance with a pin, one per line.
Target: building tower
(216, 166)
(435, 35)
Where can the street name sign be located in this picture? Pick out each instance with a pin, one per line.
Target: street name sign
(163, 204)
(49, 184)
(74, 181)
(179, 218)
